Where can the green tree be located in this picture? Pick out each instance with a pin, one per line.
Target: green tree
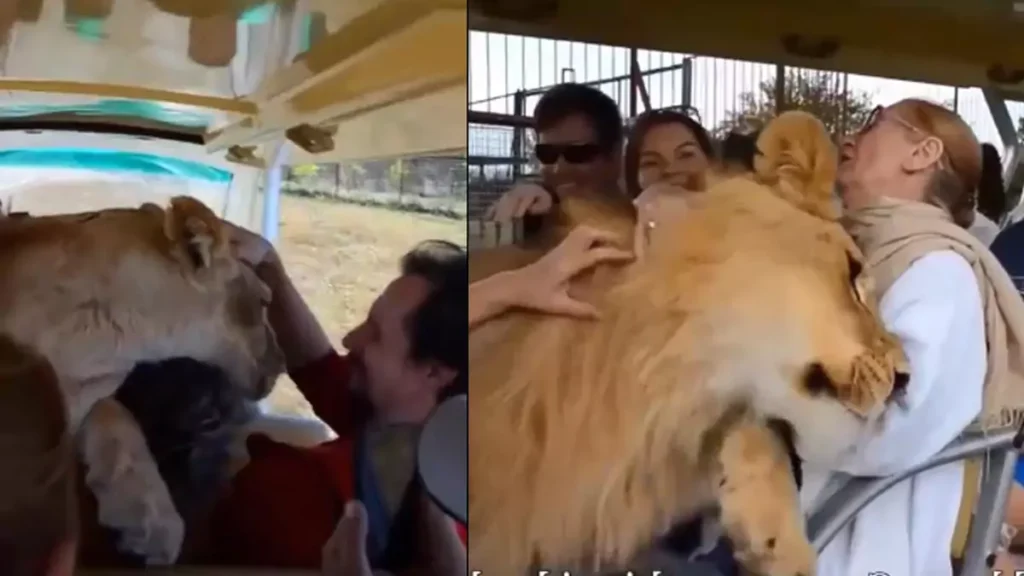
(398, 173)
(820, 93)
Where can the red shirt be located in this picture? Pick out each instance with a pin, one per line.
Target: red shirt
(283, 506)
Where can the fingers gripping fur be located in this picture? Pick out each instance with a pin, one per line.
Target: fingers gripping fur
(760, 507)
(131, 496)
(799, 161)
(195, 232)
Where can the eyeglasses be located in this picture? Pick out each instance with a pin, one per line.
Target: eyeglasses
(873, 118)
(876, 116)
(572, 153)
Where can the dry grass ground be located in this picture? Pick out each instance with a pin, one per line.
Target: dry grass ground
(341, 256)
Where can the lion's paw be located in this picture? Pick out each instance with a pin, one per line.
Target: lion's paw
(158, 538)
(131, 496)
(873, 377)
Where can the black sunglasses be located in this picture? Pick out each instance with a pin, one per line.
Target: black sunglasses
(573, 153)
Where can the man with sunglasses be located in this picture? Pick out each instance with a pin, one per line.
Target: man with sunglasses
(579, 147)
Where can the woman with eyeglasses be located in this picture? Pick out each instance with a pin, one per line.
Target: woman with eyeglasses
(908, 181)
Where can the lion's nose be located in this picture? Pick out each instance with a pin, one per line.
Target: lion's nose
(900, 381)
(899, 388)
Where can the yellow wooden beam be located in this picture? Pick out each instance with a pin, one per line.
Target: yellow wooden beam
(432, 125)
(409, 61)
(104, 90)
(358, 25)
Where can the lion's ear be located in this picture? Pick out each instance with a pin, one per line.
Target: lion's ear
(195, 232)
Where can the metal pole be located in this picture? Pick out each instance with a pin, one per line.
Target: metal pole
(272, 194)
(687, 99)
(632, 85)
(780, 88)
(518, 133)
(638, 79)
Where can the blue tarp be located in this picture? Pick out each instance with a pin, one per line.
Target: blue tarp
(113, 107)
(112, 161)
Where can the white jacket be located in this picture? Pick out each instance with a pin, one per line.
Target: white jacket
(935, 309)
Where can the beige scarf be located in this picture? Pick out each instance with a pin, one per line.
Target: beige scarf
(893, 234)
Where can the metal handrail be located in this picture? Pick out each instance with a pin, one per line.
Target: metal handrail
(1000, 448)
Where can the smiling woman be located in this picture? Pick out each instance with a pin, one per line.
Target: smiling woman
(666, 146)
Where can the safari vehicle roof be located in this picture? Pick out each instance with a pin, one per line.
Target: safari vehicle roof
(953, 42)
(366, 72)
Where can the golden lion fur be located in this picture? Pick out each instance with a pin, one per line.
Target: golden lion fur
(97, 293)
(588, 439)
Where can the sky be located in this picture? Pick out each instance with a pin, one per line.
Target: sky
(501, 64)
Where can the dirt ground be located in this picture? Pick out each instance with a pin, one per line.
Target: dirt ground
(340, 256)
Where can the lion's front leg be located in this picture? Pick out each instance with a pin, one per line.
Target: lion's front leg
(131, 496)
(760, 508)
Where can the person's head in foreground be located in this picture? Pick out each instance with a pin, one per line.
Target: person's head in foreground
(579, 140)
(666, 146)
(38, 506)
(916, 151)
(739, 149)
(410, 351)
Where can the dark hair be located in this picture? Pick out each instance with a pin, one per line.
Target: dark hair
(189, 412)
(739, 150)
(991, 190)
(438, 329)
(644, 123)
(565, 100)
(38, 500)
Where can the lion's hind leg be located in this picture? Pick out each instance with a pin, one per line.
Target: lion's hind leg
(760, 507)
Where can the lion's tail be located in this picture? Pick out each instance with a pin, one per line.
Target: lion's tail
(799, 161)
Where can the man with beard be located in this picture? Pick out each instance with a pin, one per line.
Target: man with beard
(407, 355)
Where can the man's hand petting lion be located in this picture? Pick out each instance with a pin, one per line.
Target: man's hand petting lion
(747, 334)
(97, 293)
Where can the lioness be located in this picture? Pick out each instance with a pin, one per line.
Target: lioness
(96, 293)
(747, 330)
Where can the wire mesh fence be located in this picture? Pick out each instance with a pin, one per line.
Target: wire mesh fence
(436, 185)
(508, 74)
